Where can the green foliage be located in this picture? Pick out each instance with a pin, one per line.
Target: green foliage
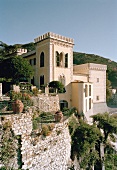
(15, 68)
(29, 46)
(113, 77)
(43, 117)
(110, 159)
(57, 85)
(25, 86)
(84, 139)
(106, 122)
(35, 91)
(46, 116)
(47, 129)
(108, 90)
(8, 148)
(69, 112)
(73, 124)
(24, 97)
(8, 50)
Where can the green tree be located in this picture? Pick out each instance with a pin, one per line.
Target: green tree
(84, 139)
(57, 85)
(15, 68)
(8, 50)
(29, 46)
(107, 124)
(108, 89)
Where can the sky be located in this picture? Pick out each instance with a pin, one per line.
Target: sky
(91, 23)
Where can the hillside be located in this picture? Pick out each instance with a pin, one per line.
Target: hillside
(81, 58)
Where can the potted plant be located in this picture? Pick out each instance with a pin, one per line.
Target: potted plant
(17, 106)
(58, 116)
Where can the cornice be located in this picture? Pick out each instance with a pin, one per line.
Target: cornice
(54, 36)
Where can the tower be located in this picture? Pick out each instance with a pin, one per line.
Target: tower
(54, 61)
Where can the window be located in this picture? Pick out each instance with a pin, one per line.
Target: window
(61, 59)
(57, 59)
(63, 104)
(89, 90)
(34, 61)
(42, 59)
(86, 91)
(66, 60)
(97, 80)
(89, 103)
(30, 62)
(32, 81)
(97, 97)
(86, 104)
(41, 80)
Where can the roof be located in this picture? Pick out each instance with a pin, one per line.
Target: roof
(29, 54)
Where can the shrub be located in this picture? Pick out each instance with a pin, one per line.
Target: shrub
(46, 116)
(24, 97)
(51, 126)
(45, 130)
(35, 91)
(57, 85)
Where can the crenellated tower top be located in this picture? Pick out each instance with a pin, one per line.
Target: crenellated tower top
(55, 37)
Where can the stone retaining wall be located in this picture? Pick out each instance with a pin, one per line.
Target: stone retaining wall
(46, 102)
(39, 152)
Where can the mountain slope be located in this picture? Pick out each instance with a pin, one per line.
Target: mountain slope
(81, 58)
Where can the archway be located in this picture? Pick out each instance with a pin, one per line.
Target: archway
(63, 104)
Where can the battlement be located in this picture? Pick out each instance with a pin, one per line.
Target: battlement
(54, 36)
(89, 66)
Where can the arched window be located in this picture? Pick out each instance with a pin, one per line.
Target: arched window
(61, 59)
(63, 104)
(41, 80)
(57, 59)
(42, 59)
(66, 60)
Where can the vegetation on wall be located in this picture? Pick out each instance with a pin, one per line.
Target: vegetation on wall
(87, 139)
(44, 122)
(24, 97)
(8, 142)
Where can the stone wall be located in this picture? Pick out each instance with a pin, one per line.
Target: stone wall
(38, 152)
(47, 102)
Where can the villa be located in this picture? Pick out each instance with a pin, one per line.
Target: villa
(85, 84)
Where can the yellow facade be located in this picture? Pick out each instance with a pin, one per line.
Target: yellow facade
(82, 96)
(53, 61)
